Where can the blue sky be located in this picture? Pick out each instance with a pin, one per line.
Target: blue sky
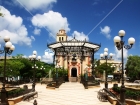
(31, 24)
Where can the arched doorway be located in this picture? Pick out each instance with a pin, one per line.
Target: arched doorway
(73, 72)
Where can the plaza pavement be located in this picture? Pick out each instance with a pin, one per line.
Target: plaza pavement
(69, 93)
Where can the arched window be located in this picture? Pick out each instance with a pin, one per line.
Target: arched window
(59, 38)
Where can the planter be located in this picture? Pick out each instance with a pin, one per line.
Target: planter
(13, 101)
(113, 101)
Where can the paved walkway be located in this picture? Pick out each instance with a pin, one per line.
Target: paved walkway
(69, 93)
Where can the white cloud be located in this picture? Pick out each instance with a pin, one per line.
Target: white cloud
(12, 26)
(106, 31)
(52, 21)
(24, 56)
(15, 38)
(37, 31)
(48, 57)
(36, 4)
(33, 38)
(78, 36)
(118, 53)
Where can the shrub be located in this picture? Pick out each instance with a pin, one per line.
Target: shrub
(116, 89)
(131, 94)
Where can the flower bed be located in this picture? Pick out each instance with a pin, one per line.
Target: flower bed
(129, 94)
(13, 92)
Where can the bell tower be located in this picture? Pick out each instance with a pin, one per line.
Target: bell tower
(61, 36)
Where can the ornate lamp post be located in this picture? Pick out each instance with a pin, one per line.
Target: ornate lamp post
(8, 49)
(105, 57)
(34, 58)
(120, 45)
(42, 68)
(81, 60)
(93, 66)
(113, 66)
(86, 76)
(56, 75)
(63, 67)
(34, 67)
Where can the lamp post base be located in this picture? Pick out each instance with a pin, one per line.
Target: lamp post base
(122, 95)
(4, 100)
(56, 84)
(86, 84)
(33, 87)
(106, 85)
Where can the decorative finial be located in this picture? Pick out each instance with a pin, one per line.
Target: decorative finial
(74, 36)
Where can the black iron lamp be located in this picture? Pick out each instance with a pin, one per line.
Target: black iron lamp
(120, 46)
(86, 76)
(57, 67)
(93, 66)
(34, 58)
(106, 57)
(8, 49)
(42, 68)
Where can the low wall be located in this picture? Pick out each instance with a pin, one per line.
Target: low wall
(13, 101)
(113, 101)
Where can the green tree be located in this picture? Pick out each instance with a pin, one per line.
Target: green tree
(18, 56)
(133, 67)
(12, 67)
(26, 70)
(102, 67)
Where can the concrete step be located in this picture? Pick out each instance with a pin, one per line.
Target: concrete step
(26, 102)
(71, 86)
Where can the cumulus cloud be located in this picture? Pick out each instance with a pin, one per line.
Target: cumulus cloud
(48, 56)
(78, 36)
(12, 26)
(33, 38)
(118, 53)
(36, 4)
(106, 31)
(52, 21)
(24, 56)
(37, 31)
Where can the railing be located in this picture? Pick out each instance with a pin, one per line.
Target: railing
(89, 81)
(46, 79)
(31, 94)
(109, 93)
(102, 96)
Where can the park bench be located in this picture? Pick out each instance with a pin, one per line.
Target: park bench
(30, 95)
(104, 93)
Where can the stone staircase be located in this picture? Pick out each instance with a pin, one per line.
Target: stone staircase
(73, 79)
(71, 86)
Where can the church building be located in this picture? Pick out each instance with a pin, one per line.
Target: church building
(74, 55)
